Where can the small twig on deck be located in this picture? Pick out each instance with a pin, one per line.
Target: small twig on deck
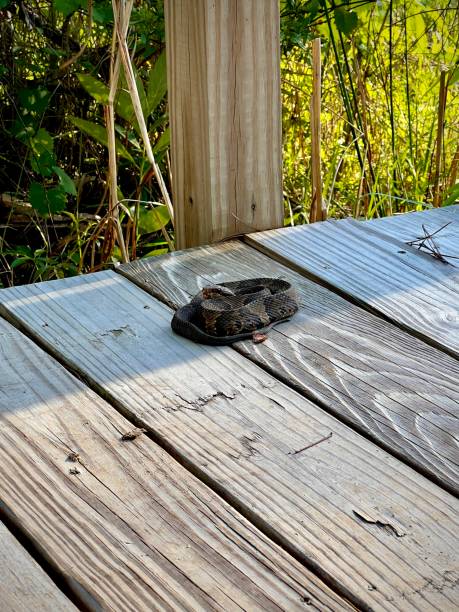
(311, 445)
(420, 240)
(439, 229)
(428, 244)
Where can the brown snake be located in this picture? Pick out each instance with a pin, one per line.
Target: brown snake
(233, 311)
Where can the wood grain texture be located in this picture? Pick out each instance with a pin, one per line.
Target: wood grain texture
(405, 228)
(368, 523)
(24, 586)
(131, 529)
(225, 113)
(388, 384)
(410, 288)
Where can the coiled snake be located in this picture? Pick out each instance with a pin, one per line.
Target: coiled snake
(233, 311)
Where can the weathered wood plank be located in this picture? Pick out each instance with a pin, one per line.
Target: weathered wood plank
(24, 586)
(388, 384)
(438, 216)
(409, 226)
(368, 523)
(225, 112)
(130, 529)
(409, 288)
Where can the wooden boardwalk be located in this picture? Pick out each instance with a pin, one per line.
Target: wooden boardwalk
(316, 470)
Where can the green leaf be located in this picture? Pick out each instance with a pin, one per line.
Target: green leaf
(66, 7)
(99, 133)
(100, 92)
(313, 7)
(95, 88)
(46, 201)
(151, 220)
(102, 12)
(346, 21)
(155, 243)
(24, 128)
(42, 163)
(155, 252)
(142, 94)
(20, 250)
(37, 197)
(57, 199)
(4, 3)
(42, 141)
(453, 195)
(124, 105)
(163, 143)
(157, 83)
(67, 184)
(35, 100)
(454, 77)
(19, 262)
(41, 153)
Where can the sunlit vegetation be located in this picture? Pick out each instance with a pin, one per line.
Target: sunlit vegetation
(390, 123)
(383, 150)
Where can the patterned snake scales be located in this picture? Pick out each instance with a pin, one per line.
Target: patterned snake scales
(233, 311)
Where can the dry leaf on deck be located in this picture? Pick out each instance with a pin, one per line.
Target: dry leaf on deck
(133, 434)
(258, 337)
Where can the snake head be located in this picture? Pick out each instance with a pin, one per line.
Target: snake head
(215, 291)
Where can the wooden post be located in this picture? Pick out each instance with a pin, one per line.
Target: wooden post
(318, 211)
(223, 64)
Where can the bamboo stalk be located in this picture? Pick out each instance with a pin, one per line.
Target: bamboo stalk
(130, 78)
(440, 133)
(112, 166)
(364, 185)
(407, 81)
(120, 54)
(342, 86)
(318, 211)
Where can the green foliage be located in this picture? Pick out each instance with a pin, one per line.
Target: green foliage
(346, 21)
(66, 7)
(53, 142)
(380, 99)
(99, 133)
(452, 195)
(151, 220)
(47, 201)
(103, 12)
(157, 84)
(66, 182)
(95, 88)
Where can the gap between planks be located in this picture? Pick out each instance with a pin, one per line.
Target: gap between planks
(25, 583)
(160, 396)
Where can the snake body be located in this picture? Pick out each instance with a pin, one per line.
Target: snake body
(233, 311)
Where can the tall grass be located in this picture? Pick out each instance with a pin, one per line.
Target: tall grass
(389, 124)
(380, 107)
